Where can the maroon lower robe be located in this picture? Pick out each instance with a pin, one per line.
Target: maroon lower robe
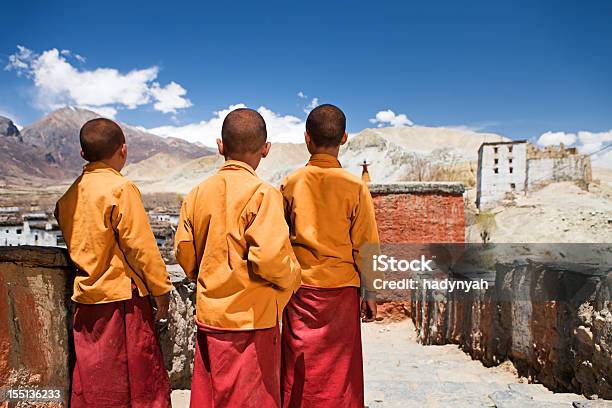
(118, 359)
(236, 368)
(321, 359)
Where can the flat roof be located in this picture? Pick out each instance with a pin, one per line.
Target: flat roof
(503, 143)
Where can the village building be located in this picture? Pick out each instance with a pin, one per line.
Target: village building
(165, 215)
(502, 168)
(518, 166)
(39, 229)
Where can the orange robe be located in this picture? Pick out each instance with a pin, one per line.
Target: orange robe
(105, 226)
(232, 238)
(333, 232)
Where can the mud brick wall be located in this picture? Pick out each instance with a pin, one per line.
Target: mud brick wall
(34, 327)
(415, 212)
(419, 212)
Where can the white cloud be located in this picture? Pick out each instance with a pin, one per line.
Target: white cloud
(586, 142)
(19, 62)
(281, 128)
(603, 159)
(555, 138)
(389, 118)
(592, 141)
(58, 83)
(169, 98)
(314, 102)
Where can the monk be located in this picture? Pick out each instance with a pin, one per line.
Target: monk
(332, 229)
(233, 239)
(118, 265)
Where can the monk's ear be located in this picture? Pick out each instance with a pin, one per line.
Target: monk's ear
(83, 155)
(307, 138)
(344, 139)
(124, 151)
(265, 149)
(220, 147)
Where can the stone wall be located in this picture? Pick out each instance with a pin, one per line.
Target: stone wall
(34, 325)
(553, 321)
(35, 331)
(177, 337)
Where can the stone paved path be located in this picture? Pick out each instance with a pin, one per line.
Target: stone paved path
(400, 373)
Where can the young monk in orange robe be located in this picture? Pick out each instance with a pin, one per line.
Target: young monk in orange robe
(106, 229)
(332, 228)
(232, 238)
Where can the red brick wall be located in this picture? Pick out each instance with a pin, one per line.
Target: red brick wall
(420, 217)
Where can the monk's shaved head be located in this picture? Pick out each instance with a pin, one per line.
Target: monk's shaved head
(100, 139)
(244, 131)
(326, 125)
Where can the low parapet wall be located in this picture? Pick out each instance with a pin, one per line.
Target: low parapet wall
(419, 212)
(35, 325)
(565, 346)
(35, 342)
(553, 321)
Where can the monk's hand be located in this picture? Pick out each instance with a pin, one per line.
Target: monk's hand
(162, 303)
(368, 310)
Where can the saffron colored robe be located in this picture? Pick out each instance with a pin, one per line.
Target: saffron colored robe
(333, 231)
(233, 239)
(118, 359)
(107, 233)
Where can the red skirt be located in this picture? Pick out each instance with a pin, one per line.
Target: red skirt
(118, 360)
(322, 365)
(236, 368)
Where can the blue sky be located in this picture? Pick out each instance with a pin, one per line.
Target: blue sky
(519, 68)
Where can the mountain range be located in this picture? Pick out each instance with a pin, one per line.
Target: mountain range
(48, 150)
(392, 154)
